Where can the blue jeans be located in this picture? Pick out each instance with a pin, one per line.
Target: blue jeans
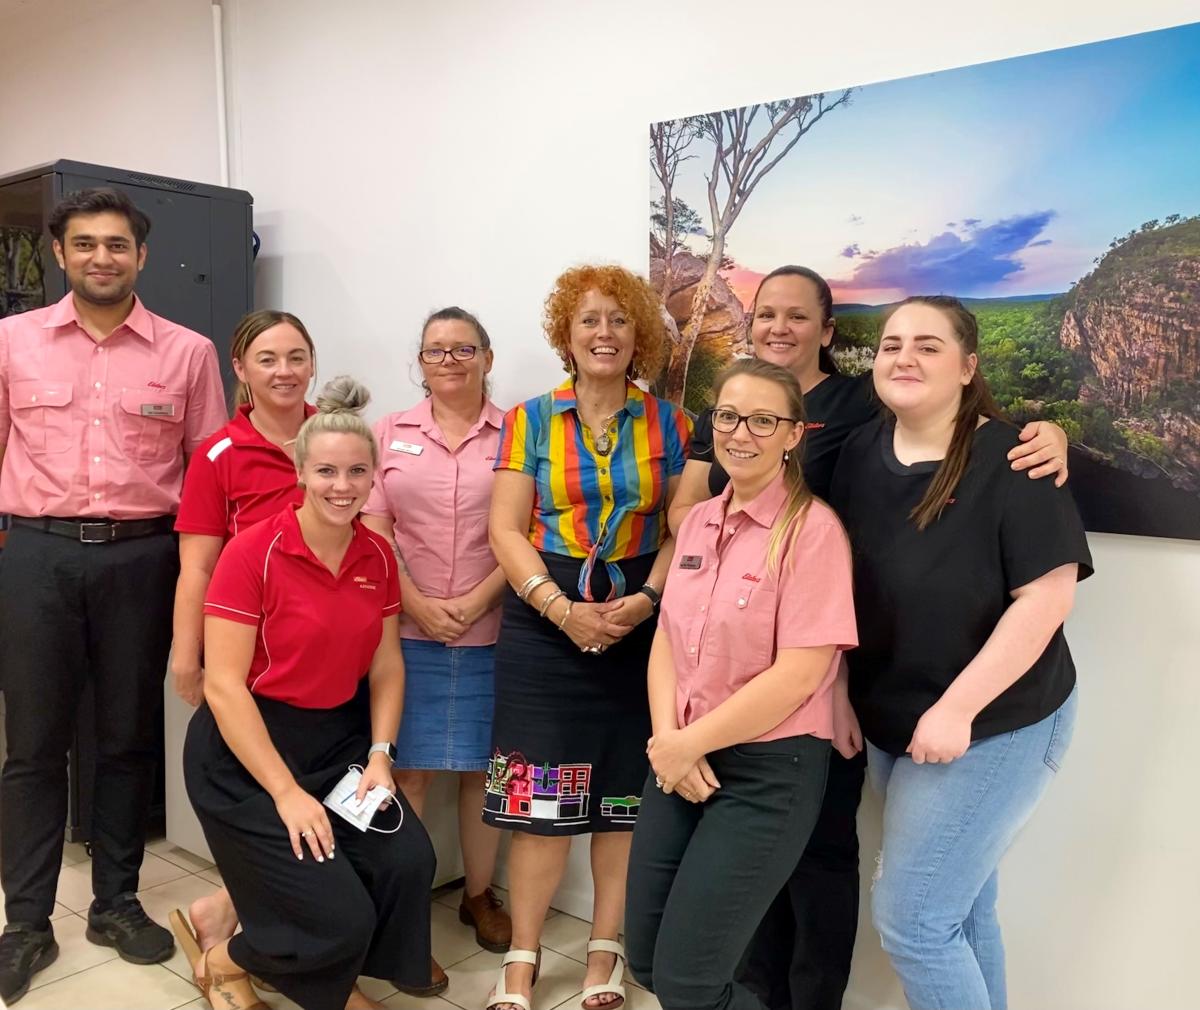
(945, 827)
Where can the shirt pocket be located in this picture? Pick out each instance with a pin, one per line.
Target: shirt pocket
(741, 626)
(150, 424)
(40, 410)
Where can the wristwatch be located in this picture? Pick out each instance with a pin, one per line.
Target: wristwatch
(383, 748)
(654, 595)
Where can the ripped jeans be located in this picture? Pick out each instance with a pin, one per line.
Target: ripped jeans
(945, 827)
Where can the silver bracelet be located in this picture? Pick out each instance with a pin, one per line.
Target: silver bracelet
(531, 584)
(549, 600)
(562, 625)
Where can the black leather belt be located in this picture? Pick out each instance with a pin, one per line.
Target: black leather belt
(98, 531)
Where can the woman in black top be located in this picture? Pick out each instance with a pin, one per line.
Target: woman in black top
(963, 682)
(801, 954)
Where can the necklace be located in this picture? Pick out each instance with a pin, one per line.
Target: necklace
(604, 443)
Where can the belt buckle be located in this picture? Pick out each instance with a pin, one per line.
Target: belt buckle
(109, 529)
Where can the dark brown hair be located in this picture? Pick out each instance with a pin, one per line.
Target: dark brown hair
(825, 360)
(799, 496)
(252, 326)
(100, 200)
(977, 400)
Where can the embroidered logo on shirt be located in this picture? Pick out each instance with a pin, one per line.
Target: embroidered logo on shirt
(365, 583)
(813, 425)
(155, 385)
(751, 578)
(691, 561)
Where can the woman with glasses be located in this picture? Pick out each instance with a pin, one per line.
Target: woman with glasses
(756, 611)
(584, 477)
(430, 498)
(800, 957)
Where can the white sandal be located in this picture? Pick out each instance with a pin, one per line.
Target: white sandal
(613, 986)
(502, 996)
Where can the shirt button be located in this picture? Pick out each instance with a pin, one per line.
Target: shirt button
(703, 607)
(603, 471)
(692, 649)
(741, 601)
(96, 495)
(33, 399)
(95, 459)
(96, 422)
(98, 386)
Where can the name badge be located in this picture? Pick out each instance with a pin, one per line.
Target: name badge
(691, 561)
(158, 410)
(408, 447)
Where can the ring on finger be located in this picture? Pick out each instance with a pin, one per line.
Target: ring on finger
(304, 834)
(658, 782)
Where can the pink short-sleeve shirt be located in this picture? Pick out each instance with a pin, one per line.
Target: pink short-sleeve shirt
(727, 615)
(438, 501)
(101, 429)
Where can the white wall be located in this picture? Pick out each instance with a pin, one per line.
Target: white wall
(404, 156)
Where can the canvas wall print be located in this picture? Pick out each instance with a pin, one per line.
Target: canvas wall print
(1057, 194)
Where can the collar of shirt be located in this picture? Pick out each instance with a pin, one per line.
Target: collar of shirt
(292, 542)
(563, 399)
(764, 509)
(421, 416)
(242, 431)
(64, 313)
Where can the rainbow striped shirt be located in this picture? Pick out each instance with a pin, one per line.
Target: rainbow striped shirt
(603, 508)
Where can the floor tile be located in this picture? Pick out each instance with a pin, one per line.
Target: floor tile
(376, 988)
(76, 952)
(156, 870)
(114, 985)
(158, 903)
(400, 1001)
(58, 913)
(180, 857)
(213, 876)
(567, 935)
(452, 941)
(74, 852)
(75, 881)
(471, 980)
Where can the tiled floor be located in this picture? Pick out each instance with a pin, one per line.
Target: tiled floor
(94, 978)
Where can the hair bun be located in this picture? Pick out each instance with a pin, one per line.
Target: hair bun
(345, 394)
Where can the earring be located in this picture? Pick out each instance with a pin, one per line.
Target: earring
(786, 456)
(301, 485)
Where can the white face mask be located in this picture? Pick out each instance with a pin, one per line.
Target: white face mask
(343, 801)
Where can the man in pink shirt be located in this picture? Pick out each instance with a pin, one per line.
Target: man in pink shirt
(100, 403)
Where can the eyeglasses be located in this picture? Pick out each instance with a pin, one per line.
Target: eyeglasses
(764, 425)
(435, 355)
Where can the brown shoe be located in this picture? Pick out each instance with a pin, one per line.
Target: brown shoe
(438, 981)
(493, 927)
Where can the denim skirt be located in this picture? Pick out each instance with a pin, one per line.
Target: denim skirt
(449, 691)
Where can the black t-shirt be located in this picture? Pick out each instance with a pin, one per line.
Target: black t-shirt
(835, 406)
(927, 601)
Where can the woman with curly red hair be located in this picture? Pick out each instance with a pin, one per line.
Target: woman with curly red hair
(584, 477)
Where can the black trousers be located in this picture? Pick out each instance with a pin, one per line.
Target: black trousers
(800, 956)
(701, 876)
(70, 611)
(309, 928)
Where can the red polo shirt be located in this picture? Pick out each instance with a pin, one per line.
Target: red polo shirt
(237, 478)
(317, 632)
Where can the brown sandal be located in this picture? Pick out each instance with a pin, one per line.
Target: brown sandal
(198, 960)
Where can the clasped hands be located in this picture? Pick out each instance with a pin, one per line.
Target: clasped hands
(603, 624)
(678, 768)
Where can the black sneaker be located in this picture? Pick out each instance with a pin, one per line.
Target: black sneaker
(24, 951)
(126, 926)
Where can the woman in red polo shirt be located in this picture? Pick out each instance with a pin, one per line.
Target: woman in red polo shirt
(756, 609)
(304, 680)
(243, 474)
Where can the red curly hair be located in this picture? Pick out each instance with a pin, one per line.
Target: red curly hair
(628, 290)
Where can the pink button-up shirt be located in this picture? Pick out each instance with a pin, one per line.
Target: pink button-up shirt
(101, 429)
(727, 616)
(438, 502)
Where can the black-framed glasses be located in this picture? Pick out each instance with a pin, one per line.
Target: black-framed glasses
(435, 355)
(764, 425)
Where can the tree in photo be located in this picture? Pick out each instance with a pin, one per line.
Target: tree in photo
(668, 142)
(739, 164)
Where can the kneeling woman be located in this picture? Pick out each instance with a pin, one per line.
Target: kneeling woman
(756, 611)
(304, 679)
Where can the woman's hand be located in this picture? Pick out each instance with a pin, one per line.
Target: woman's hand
(441, 620)
(306, 821)
(698, 784)
(589, 625)
(629, 611)
(671, 756)
(943, 734)
(378, 772)
(188, 678)
(1044, 447)
(847, 734)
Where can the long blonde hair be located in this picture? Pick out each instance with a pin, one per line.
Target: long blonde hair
(799, 496)
(339, 405)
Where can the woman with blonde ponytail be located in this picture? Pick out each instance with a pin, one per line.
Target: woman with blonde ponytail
(756, 612)
(964, 572)
(303, 684)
